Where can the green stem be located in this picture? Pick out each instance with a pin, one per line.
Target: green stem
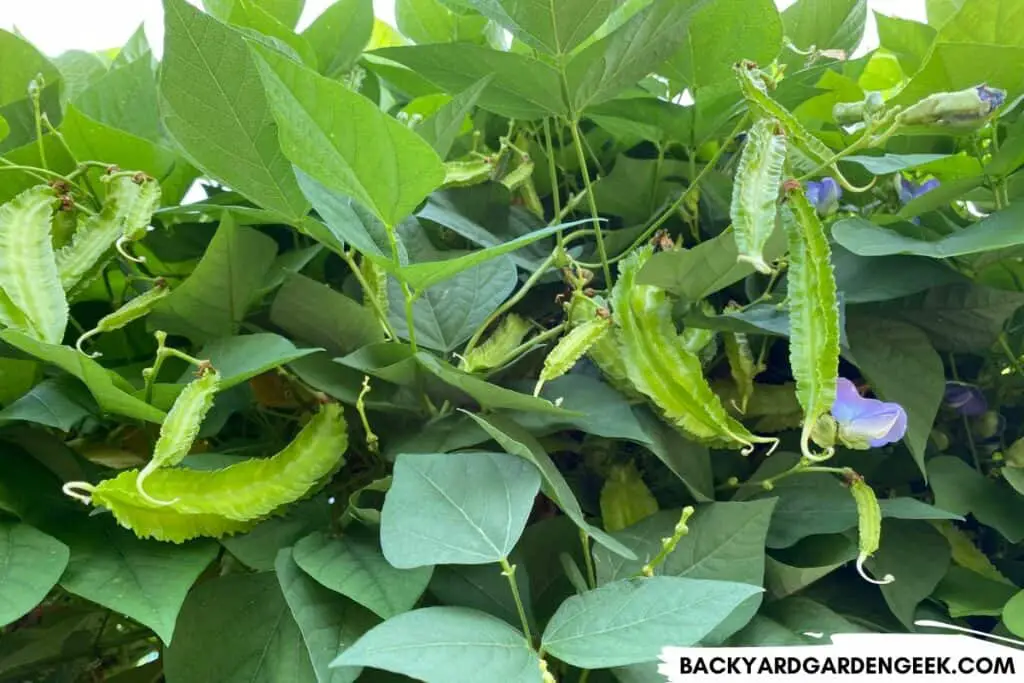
(37, 112)
(378, 311)
(669, 544)
(529, 344)
(582, 156)
(509, 572)
(588, 559)
(407, 293)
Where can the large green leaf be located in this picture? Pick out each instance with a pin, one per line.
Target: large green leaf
(214, 107)
(442, 127)
(353, 565)
(239, 359)
(146, 580)
(343, 140)
(23, 62)
(31, 563)
(864, 279)
(125, 98)
(431, 21)
(907, 39)
(447, 314)
(522, 87)
(961, 489)
(998, 231)
(903, 367)
(257, 640)
(553, 26)
(248, 15)
(833, 25)
(616, 62)
(329, 622)
(483, 587)
(456, 508)
(517, 441)
(111, 391)
(339, 35)
(315, 313)
(630, 621)
(60, 402)
(723, 32)
(215, 298)
(918, 556)
(446, 645)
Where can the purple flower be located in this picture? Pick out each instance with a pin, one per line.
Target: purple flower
(994, 97)
(824, 195)
(866, 422)
(909, 190)
(965, 399)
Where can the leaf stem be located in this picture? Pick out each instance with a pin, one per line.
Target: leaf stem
(582, 156)
(588, 559)
(509, 572)
(35, 89)
(407, 293)
(358, 273)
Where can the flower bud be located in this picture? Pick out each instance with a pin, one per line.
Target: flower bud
(964, 106)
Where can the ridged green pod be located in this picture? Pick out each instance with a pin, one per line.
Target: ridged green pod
(625, 498)
(33, 300)
(741, 366)
(869, 524)
(245, 491)
(755, 191)
(605, 352)
(491, 353)
(571, 348)
(165, 523)
(134, 309)
(813, 313)
(756, 93)
(660, 368)
(139, 213)
(377, 286)
(180, 427)
(93, 244)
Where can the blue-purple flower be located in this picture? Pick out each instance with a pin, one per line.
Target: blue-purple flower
(909, 190)
(993, 97)
(965, 399)
(823, 195)
(864, 423)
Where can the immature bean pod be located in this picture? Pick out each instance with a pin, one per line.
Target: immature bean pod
(741, 366)
(94, 242)
(139, 212)
(813, 314)
(570, 349)
(869, 525)
(625, 498)
(32, 299)
(660, 368)
(376, 294)
(247, 490)
(180, 427)
(137, 308)
(755, 191)
(495, 350)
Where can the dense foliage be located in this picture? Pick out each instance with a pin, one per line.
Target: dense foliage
(511, 345)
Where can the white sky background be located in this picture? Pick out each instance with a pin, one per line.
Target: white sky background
(58, 25)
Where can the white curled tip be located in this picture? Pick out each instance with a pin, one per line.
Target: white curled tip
(119, 245)
(74, 490)
(887, 579)
(81, 340)
(146, 471)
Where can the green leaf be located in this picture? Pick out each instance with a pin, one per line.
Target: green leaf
(918, 556)
(343, 140)
(78, 70)
(214, 107)
(907, 39)
(688, 460)
(863, 279)
(483, 587)
(642, 44)
(267, 648)
(902, 367)
(249, 16)
(522, 87)
(807, 562)
(329, 622)
(345, 220)
(239, 359)
(709, 267)
(215, 298)
(1013, 614)
(146, 580)
(957, 317)
(961, 489)
(446, 645)
(258, 548)
(515, 440)
(552, 26)
(722, 33)
(443, 126)
(24, 63)
(339, 35)
(998, 231)
(137, 47)
(430, 21)
(315, 313)
(111, 392)
(353, 565)
(885, 164)
(31, 563)
(5, 128)
(60, 403)
(456, 508)
(125, 98)
(835, 25)
(447, 314)
(626, 622)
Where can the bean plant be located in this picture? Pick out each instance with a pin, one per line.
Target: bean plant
(512, 343)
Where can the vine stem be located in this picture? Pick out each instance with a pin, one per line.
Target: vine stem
(407, 294)
(358, 273)
(588, 559)
(582, 156)
(35, 91)
(509, 572)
